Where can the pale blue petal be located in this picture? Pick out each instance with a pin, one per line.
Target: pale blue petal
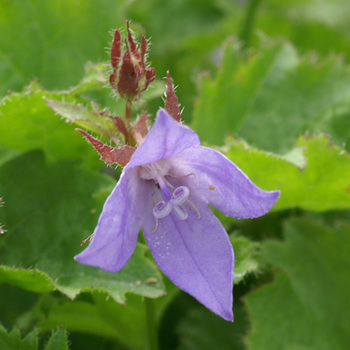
(222, 184)
(196, 255)
(115, 236)
(166, 138)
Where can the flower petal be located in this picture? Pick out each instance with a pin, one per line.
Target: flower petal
(196, 255)
(166, 138)
(222, 184)
(115, 236)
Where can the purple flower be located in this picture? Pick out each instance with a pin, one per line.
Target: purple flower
(166, 188)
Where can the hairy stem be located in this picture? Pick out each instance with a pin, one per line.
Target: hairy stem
(128, 114)
(246, 32)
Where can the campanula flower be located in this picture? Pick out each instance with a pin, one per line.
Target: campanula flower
(166, 188)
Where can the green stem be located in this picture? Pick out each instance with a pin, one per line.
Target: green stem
(246, 32)
(128, 114)
(151, 324)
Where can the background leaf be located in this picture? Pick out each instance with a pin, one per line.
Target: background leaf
(269, 92)
(50, 226)
(201, 329)
(272, 97)
(54, 40)
(245, 257)
(30, 124)
(13, 340)
(315, 281)
(57, 341)
(318, 181)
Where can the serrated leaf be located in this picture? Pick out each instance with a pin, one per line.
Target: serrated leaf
(49, 220)
(99, 315)
(245, 257)
(12, 340)
(30, 124)
(311, 294)
(84, 117)
(322, 183)
(272, 97)
(33, 280)
(102, 317)
(57, 341)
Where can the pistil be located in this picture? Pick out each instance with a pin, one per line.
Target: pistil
(164, 188)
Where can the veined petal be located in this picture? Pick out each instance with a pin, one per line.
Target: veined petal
(166, 138)
(115, 236)
(196, 255)
(222, 184)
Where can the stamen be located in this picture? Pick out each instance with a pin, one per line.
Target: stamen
(154, 203)
(155, 229)
(179, 177)
(194, 208)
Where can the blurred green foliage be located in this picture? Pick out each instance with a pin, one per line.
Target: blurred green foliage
(266, 81)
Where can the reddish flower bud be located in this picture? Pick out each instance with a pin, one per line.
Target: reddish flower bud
(131, 76)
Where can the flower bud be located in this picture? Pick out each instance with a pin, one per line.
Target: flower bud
(131, 76)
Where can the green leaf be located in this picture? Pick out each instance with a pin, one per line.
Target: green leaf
(57, 341)
(311, 293)
(306, 35)
(84, 117)
(272, 97)
(100, 316)
(245, 257)
(201, 329)
(47, 221)
(33, 280)
(14, 302)
(324, 11)
(13, 341)
(7, 154)
(56, 43)
(31, 124)
(315, 176)
(96, 313)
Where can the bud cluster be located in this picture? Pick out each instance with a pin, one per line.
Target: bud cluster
(131, 76)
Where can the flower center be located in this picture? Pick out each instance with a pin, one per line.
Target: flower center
(155, 170)
(179, 196)
(174, 198)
